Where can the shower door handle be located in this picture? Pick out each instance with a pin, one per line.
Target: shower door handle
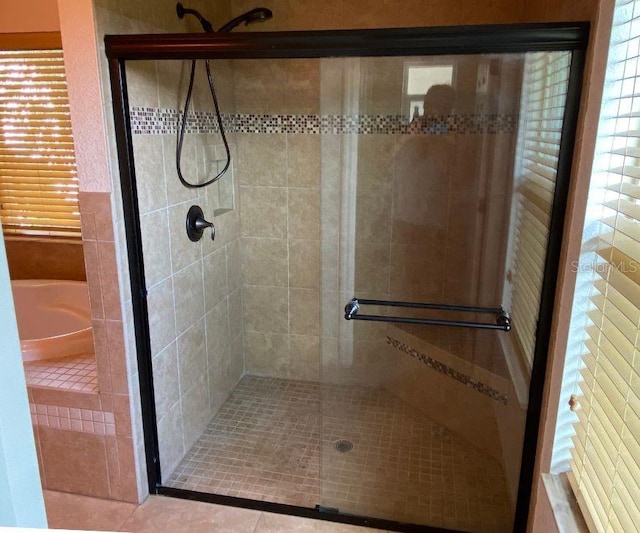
(196, 224)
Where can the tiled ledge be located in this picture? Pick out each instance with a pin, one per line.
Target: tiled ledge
(69, 382)
(76, 373)
(564, 506)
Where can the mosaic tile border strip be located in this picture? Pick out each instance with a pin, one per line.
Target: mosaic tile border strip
(153, 121)
(73, 419)
(448, 371)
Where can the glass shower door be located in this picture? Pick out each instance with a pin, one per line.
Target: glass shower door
(436, 195)
(359, 337)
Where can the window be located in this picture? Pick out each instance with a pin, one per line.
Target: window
(38, 180)
(602, 453)
(418, 79)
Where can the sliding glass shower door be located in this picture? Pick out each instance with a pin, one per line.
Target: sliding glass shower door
(358, 334)
(433, 280)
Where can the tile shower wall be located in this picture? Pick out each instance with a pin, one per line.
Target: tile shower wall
(194, 296)
(117, 16)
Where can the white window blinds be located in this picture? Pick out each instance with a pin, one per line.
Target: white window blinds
(605, 452)
(38, 181)
(542, 110)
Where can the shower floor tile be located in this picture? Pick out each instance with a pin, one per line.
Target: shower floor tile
(267, 443)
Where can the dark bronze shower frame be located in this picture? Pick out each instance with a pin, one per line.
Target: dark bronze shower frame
(498, 39)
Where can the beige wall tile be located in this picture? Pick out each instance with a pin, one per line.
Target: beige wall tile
(154, 227)
(304, 357)
(176, 192)
(420, 218)
(217, 324)
(265, 262)
(122, 413)
(304, 214)
(67, 456)
(143, 82)
(166, 380)
(373, 216)
(234, 265)
(415, 276)
(266, 354)
(302, 86)
(109, 279)
(101, 345)
(236, 320)
(192, 355)
(215, 278)
(376, 160)
(303, 160)
(126, 459)
(94, 281)
(65, 398)
(196, 412)
(149, 167)
(266, 309)
(262, 159)
(189, 296)
(304, 311)
(304, 264)
(117, 357)
(259, 85)
(264, 212)
(170, 440)
(162, 325)
(236, 363)
(372, 268)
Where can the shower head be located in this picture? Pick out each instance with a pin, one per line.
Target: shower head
(259, 14)
(182, 11)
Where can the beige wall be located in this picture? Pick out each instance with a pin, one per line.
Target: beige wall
(29, 16)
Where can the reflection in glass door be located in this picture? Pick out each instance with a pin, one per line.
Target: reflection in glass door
(359, 337)
(440, 262)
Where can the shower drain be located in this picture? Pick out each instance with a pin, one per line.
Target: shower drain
(343, 446)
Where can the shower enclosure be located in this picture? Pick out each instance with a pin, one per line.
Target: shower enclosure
(365, 338)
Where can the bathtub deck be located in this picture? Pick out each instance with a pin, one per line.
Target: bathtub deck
(75, 373)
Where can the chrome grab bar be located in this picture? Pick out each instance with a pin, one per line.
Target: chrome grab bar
(502, 318)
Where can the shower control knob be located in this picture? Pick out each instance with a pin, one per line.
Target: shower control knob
(196, 224)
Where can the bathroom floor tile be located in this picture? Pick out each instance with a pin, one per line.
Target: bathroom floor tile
(275, 523)
(267, 443)
(70, 511)
(159, 513)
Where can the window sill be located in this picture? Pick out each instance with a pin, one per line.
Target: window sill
(564, 505)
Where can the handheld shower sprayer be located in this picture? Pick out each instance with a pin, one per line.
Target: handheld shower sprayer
(259, 14)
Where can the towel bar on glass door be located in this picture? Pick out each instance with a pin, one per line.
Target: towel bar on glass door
(502, 319)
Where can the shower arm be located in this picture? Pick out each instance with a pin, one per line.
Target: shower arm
(182, 11)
